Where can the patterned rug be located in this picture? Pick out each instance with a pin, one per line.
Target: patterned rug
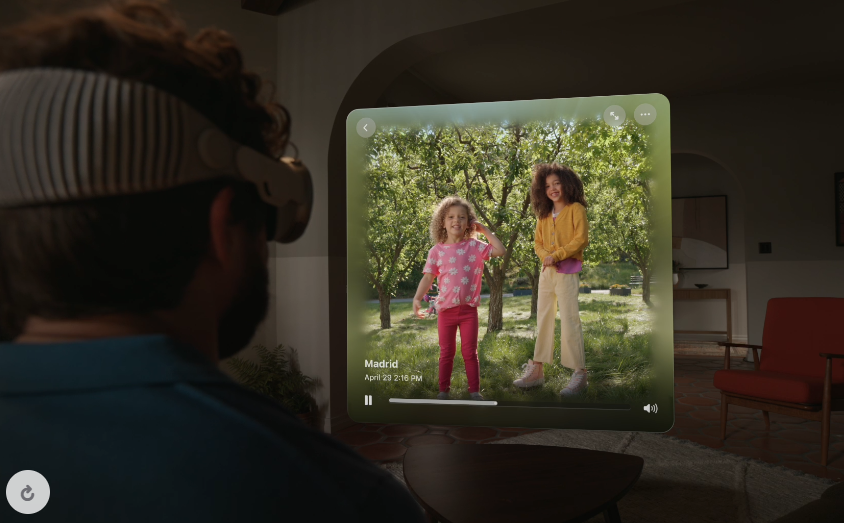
(684, 481)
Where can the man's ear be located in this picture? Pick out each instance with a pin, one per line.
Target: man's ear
(220, 225)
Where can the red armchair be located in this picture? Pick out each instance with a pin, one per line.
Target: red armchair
(801, 369)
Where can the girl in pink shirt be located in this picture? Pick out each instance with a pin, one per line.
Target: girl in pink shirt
(457, 261)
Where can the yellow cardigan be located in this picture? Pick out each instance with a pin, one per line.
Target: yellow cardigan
(565, 238)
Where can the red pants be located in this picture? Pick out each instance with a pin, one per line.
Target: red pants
(466, 318)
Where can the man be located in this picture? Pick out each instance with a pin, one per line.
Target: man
(137, 195)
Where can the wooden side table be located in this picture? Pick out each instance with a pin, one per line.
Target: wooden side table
(524, 483)
(708, 294)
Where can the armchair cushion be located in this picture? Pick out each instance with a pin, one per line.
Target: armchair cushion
(778, 386)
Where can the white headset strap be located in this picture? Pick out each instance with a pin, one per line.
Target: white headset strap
(69, 134)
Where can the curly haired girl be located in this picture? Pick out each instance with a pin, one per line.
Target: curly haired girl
(457, 261)
(562, 232)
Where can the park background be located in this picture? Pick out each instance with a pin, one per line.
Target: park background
(410, 169)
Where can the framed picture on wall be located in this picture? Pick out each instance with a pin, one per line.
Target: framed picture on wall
(699, 232)
(839, 209)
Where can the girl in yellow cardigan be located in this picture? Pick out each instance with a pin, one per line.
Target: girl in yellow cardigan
(562, 233)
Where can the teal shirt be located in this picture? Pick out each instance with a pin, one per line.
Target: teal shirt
(145, 429)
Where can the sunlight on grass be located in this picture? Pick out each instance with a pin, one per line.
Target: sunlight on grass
(616, 333)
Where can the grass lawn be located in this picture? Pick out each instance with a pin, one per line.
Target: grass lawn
(616, 331)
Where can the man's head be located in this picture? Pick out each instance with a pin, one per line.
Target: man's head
(200, 246)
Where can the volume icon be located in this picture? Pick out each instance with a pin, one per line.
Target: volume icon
(651, 408)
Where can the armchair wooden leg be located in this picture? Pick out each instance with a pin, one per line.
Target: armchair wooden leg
(767, 416)
(825, 439)
(827, 408)
(724, 406)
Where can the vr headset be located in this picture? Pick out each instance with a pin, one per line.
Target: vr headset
(68, 135)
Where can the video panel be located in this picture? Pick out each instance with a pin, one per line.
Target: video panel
(472, 211)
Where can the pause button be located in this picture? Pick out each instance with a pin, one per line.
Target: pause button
(367, 400)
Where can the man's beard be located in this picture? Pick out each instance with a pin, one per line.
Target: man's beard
(247, 310)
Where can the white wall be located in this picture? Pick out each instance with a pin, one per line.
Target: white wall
(784, 279)
(256, 34)
(694, 175)
(783, 151)
(11, 12)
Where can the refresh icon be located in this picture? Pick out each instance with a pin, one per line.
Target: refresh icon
(21, 492)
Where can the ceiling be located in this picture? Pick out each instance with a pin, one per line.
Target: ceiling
(685, 49)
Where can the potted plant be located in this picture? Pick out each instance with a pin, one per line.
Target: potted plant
(617, 289)
(675, 269)
(585, 288)
(277, 375)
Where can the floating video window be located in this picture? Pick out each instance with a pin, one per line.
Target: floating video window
(486, 238)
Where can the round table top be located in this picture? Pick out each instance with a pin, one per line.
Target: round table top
(506, 483)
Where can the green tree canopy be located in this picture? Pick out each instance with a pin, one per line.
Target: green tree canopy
(490, 165)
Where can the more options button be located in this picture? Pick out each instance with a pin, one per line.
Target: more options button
(645, 114)
(28, 492)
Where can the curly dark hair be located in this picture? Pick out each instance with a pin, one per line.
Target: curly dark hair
(437, 228)
(133, 253)
(145, 41)
(572, 187)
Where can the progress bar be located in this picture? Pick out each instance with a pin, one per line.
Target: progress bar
(444, 402)
(520, 404)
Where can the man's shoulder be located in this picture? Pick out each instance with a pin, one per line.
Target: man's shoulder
(284, 450)
(257, 418)
(154, 428)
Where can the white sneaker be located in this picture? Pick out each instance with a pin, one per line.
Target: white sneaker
(531, 376)
(577, 384)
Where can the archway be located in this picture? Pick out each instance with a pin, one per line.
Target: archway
(695, 174)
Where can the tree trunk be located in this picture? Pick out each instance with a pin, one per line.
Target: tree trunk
(533, 276)
(646, 286)
(384, 300)
(495, 321)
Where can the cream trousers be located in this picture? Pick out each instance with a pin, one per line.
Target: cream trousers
(556, 288)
